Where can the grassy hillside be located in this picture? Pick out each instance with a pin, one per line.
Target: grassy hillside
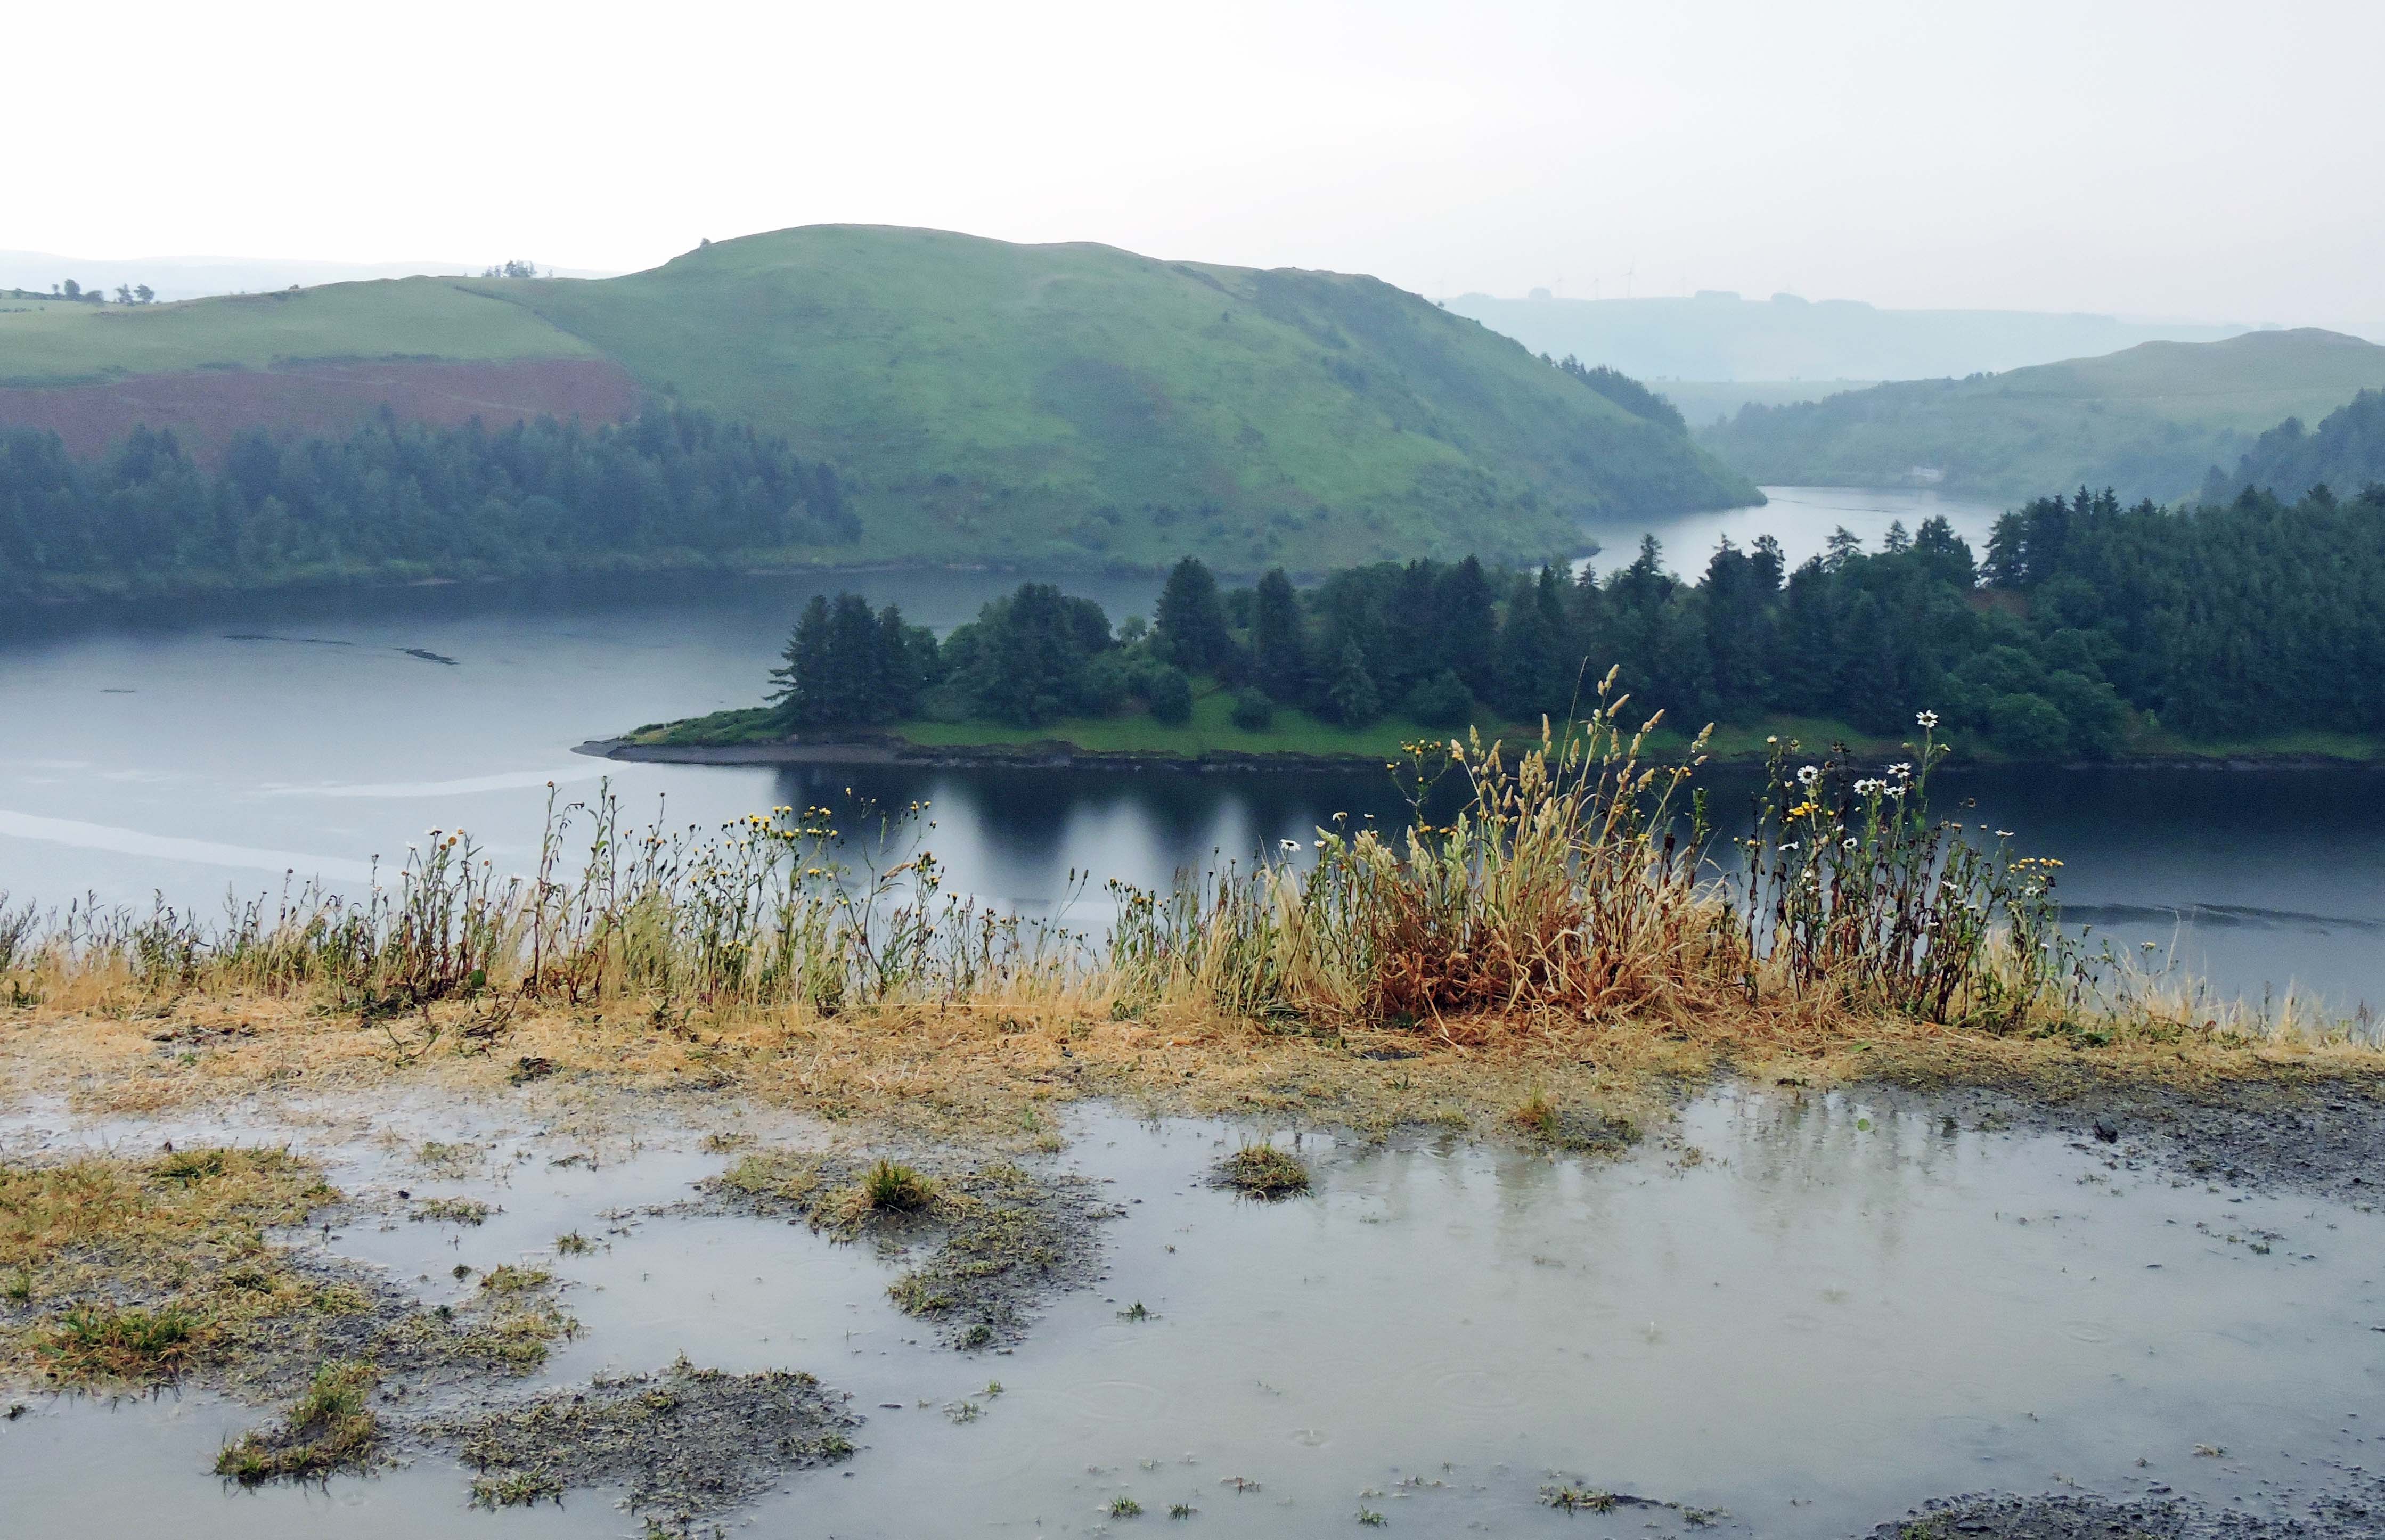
(1067, 406)
(2150, 420)
(415, 318)
(1077, 404)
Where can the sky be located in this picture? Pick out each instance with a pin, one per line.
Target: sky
(2175, 160)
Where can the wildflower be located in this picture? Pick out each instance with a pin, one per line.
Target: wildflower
(1289, 845)
(1808, 775)
(2003, 834)
(1866, 788)
(1901, 770)
(1926, 718)
(1848, 844)
(1769, 738)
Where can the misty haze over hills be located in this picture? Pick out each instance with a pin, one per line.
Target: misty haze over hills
(1718, 336)
(191, 277)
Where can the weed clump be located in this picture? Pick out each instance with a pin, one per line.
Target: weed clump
(687, 1441)
(328, 1428)
(1262, 1170)
(1542, 1118)
(451, 1211)
(1571, 1499)
(892, 1188)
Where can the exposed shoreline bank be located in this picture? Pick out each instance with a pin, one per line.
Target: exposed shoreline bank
(1060, 754)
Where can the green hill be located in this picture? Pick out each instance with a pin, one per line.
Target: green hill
(413, 317)
(2150, 420)
(1064, 405)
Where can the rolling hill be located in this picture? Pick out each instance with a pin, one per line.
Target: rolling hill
(1716, 336)
(1065, 405)
(2149, 421)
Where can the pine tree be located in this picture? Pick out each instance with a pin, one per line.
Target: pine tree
(1352, 691)
(1278, 640)
(1189, 629)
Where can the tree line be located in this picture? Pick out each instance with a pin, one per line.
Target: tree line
(404, 500)
(2347, 448)
(2086, 620)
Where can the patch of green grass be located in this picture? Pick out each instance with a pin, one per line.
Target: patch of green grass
(1124, 1508)
(515, 1489)
(890, 1188)
(328, 1428)
(1262, 1171)
(451, 1211)
(413, 317)
(103, 1342)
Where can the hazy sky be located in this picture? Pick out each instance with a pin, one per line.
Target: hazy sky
(2190, 160)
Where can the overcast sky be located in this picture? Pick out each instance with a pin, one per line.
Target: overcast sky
(2218, 162)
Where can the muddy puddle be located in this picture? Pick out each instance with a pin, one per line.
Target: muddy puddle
(1802, 1318)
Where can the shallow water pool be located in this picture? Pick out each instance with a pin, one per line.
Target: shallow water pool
(1801, 1317)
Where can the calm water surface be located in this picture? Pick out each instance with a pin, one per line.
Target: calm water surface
(1830, 1312)
(194, 755)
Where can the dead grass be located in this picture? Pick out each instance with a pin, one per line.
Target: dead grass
(991, 1070)
(133, 1270)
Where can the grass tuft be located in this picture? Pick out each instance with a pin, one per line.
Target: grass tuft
(1262, 1171)
(328, 1428)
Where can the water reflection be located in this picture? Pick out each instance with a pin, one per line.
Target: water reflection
(180, 758)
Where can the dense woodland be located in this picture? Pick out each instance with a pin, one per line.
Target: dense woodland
(2346, 449)
(394, 500)
(2085, 621)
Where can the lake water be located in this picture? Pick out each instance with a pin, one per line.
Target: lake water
(210, 751)
(1830, 1311)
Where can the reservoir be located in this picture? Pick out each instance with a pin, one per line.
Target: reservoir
(207, 752)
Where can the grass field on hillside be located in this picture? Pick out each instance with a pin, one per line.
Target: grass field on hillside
(1066, 407)
(2148, 421)
(1078, 405)
(61, 343)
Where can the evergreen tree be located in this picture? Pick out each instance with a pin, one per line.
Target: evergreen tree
(1190, 628)
(1278, 640)
(1352, 691)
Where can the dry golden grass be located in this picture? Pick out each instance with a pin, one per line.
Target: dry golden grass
(993, 1069)
(134, 1270)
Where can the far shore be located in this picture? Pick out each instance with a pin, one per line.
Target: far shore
(1061, 755)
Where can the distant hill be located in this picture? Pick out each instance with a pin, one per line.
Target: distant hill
(1070, 405)
(1717, 336)
(2149, 421)
(2346, 453)
(190, 278)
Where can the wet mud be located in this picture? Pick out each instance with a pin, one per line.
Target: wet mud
(683, 1444)
(988, 1245)
(2325, 1139)
(2355, 1512)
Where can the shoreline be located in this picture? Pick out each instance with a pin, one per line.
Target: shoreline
(1061, 755)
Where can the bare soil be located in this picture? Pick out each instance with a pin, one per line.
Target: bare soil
(206, 407)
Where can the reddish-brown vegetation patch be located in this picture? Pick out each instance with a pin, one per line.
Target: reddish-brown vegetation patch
(206, 407)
